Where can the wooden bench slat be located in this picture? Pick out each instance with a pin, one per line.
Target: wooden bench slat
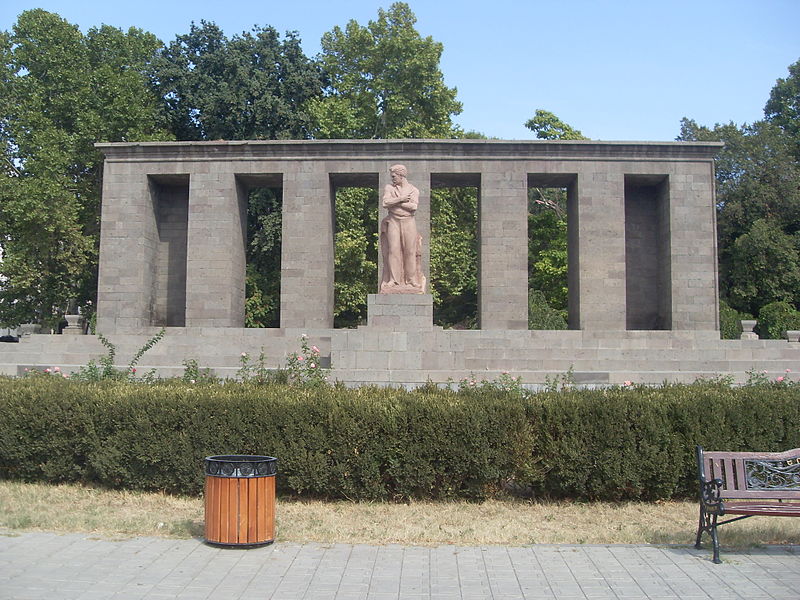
(775, 509)
(758, 494)
(741, 476)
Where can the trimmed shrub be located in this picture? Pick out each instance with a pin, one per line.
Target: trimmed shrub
(776, 318)
(389, 444)
(730, 325)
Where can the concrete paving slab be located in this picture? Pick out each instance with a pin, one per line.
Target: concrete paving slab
(41, 565)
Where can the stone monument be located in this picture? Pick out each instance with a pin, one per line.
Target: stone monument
(401, 244)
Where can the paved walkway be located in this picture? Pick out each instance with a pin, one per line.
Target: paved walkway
(76, 566)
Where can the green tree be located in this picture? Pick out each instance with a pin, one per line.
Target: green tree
(758, 212)
(262, 282)
(454, 256)
(764, 267)
(251, 86)
(385, 81)
(355, 254)
(547, 252)
(783, 106)
(62, 91)
(547, 126)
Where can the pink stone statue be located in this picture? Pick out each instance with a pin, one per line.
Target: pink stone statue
(401, 244)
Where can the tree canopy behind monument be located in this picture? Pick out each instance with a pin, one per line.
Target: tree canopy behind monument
(61, 92)
(758, 201)
(385, 81)
(250, 86)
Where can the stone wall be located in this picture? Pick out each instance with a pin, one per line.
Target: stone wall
(662, 263)
(642, 262)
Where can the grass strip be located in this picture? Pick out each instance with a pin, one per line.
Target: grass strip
(512, 522)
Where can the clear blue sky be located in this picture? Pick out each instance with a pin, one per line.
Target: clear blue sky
(615, 69)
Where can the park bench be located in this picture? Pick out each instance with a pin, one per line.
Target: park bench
(746, 484)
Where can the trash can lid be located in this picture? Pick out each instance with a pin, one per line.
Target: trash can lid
(241, 465)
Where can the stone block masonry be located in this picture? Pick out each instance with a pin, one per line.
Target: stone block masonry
(641, 253)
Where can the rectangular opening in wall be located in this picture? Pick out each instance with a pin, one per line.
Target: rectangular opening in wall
(454, 249)
(263, 194)
(170, 195)
(355, 252)
(647, 252)
(552, 251)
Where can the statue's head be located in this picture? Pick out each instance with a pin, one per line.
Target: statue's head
(398, 173)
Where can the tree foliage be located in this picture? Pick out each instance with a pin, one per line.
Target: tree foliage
(63, 91)
(730, 326)
(758, 212)
(548, 126)
(385, 81)
(454, 256)
(251, 86)
(263, 252)
(776, 318)
(356, 254)
(783, 106)
(547, 251)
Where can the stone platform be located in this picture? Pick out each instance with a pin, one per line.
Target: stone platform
(385, 355)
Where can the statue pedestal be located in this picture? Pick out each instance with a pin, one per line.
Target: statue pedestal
(400, 312)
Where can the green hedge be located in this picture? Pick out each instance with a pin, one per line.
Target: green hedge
(378, 443)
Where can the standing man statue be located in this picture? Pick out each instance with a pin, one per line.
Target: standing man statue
(401, 244)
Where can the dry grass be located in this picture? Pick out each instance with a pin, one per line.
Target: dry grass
(76, 508)
(511, 522)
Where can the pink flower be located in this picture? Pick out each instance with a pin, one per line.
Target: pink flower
(313, 366)
(133, 370)
(788, 370)
(65, 376)
(26, 369)
(57, 369)
(315, 350)
(301, 358)
(779, 379)
(47, 370)
(505, 372)
(627, 383)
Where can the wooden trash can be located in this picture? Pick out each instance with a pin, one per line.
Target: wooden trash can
(240, 500)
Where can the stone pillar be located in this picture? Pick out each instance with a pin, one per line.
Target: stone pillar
(307, 247)
(600, 207)
(503, 248)
(215, 263)
(693, 248)
(128, 242)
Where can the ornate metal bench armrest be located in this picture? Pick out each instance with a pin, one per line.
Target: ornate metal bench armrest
(710, 495)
